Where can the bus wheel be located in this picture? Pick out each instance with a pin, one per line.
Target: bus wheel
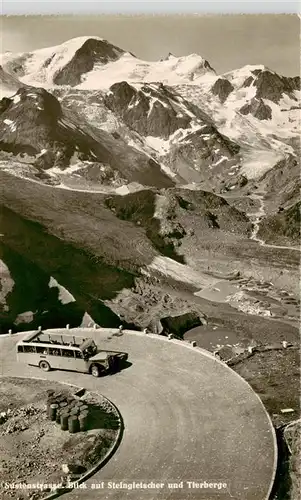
(44, 366)
(95, 370)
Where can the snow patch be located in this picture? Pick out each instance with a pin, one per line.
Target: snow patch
(25, 317)
(160, 145)
(11, 124)
(175, 270)
(167, 170)
(151, 105)
(87, 321)
(258, 162)
(43, 151)
(65, 297)
(132, 187)
(16, 99)
(222, 158)
(6, 284)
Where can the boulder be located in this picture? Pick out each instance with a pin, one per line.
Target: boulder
(177, 325)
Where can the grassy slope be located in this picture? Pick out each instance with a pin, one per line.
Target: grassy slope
(275, 376)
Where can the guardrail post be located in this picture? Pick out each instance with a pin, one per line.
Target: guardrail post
(145, 330)
(170, 336)
(39, 328)
(120, 328)
(193, 343)
(67, 327)
(285, 344)
(10, 332)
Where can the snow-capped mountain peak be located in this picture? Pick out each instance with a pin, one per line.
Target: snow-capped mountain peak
(62, 64)
(94, 63)
(238, 76)
(266, 84)
(169, 56)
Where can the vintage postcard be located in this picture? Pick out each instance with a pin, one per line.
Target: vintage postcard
(149, 253)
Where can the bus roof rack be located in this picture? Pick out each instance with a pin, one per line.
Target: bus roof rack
(31, 336)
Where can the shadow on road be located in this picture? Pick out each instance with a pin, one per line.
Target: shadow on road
(122, 366)
(99, 418)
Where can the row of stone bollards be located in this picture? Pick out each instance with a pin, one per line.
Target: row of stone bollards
(71, 414)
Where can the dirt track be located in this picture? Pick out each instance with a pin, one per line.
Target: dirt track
(186, 416)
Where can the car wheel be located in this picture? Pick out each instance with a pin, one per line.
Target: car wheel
(95, 370)
(44, 366)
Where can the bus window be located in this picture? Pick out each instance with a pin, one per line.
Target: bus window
(41, 350)
(29, 348)
(78, 355)
(54, 352)
(20, 348)
(67, 353)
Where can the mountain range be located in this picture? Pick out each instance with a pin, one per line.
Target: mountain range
(178, 111)
(163, 164)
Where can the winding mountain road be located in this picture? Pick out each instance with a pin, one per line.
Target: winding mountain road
(187, 417)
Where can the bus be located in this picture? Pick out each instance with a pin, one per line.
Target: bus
(66, 352)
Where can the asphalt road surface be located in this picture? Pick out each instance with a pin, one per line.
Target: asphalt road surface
(187, 417)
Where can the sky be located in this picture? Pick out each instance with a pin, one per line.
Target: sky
(226, 41)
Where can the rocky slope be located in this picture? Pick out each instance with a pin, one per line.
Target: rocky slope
(34, 123)
(170, 215)
(153, 109)
(292, 438)
(282, 184)
(283, 227)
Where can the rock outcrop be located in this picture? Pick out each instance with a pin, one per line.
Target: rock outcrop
(272, 86)
(177, 325)
(151, 110)
(222, 88)
(258, 108)
(93, 51)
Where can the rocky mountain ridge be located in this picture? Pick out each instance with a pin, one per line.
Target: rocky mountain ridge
(251, 106)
